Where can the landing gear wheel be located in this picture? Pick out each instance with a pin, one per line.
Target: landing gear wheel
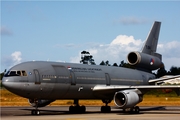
(105, 109)
(133, 110)
(137, 109)
(35, 112)
(76, 108)
(71, 109)
(82, 109)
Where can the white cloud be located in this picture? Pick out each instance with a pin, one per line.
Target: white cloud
(170, 53)
(118, 49)
(125, 40)
(16, 57)
(11, 60)
(169, 49)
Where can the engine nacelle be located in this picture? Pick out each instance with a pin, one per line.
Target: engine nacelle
(39, 103)
(127, 98)
(145, 61)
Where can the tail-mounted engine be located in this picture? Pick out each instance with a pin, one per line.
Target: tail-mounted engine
(145, 61)
(127, 98)
(39, 103)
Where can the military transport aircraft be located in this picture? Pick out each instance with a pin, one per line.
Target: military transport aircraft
(43, 82)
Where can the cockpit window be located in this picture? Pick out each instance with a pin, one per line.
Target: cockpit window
(13, 73)
(24, 73)
(16, 73)
(19, 73)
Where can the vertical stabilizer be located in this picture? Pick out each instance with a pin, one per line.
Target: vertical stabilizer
(148, 59)
(150, 45)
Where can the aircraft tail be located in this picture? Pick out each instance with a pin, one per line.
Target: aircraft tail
(150, 45)
(148, 59)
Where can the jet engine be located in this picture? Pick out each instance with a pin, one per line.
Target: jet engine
(127, 98)
(145, 61)
(39, 103)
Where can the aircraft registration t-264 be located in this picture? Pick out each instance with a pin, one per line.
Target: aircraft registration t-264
(43, 82)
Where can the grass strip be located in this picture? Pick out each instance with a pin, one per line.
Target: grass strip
(10, 99)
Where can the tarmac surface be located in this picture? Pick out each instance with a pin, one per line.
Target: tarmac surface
(92, 113)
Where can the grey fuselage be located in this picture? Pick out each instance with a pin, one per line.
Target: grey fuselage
(55, 80)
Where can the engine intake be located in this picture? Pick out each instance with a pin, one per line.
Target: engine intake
(39, 103)
(145, 61)
(127, 98)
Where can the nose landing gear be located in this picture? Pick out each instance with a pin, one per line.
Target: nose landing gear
(35, 111)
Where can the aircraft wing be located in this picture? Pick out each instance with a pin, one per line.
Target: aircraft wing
(164, 78)
(116, 88)
(119, 87)
(151, 85)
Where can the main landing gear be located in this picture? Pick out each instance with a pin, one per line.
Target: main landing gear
(106, 108)
(76, 108)
(133, 110)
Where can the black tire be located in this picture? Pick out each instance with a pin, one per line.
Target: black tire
(82, 109)
(105, 109)
(35, 112)
(71, 109)
(137, 109)
(32, 112)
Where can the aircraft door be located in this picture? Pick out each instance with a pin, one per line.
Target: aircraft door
(72, 77)
(37, 77)
(62, 81)
(108, 80)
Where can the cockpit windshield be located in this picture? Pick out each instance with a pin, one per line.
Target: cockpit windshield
(16, 73)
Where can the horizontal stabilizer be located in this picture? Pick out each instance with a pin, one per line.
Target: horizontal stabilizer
(163, 79)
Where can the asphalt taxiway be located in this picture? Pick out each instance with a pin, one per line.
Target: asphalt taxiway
(92, 113)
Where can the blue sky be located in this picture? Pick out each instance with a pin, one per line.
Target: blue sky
(109, 30)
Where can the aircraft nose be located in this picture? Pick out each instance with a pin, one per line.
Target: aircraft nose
(6, 82)
(9, 84)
